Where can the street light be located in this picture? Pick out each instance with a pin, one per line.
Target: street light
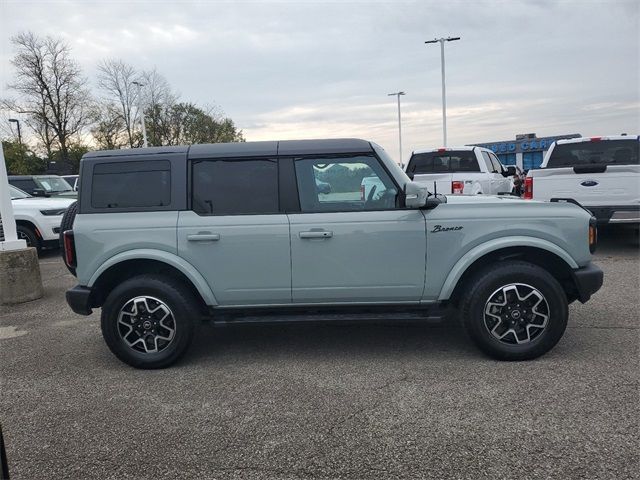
(397, 94)
(17, 122)
(444, 96)
(144, 128)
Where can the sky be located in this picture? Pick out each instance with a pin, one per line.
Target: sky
(301, 69)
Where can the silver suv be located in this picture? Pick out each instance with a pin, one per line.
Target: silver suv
(165, 237)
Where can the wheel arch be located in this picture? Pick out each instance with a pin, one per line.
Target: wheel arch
(133, 263)
(536, 251)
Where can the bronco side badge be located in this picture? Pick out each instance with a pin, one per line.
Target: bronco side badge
(440, 228)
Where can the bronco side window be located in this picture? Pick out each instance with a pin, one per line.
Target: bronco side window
(344, 184)
(135, 184)
(235, 186)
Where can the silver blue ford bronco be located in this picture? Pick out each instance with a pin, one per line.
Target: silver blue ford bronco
(162, 238)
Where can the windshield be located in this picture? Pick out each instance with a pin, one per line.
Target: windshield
(443, 162)
(53, 184)
(17, 193)
(607, 152)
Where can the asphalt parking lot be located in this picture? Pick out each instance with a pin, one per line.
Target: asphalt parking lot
(325, 401)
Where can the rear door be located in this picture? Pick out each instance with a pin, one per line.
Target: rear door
(346, 249)
(595, 173)
(234, 233)
(489, 181)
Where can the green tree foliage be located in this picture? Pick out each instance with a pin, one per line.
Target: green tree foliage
(20, 160)
(186, 123)
(74, 154)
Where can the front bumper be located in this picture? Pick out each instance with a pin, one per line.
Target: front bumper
(79, 299)
(588, 281)
(616, 214)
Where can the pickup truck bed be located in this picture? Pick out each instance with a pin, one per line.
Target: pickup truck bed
(601, 173)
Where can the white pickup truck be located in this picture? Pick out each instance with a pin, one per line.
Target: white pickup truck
(461, 170)
(601, 173)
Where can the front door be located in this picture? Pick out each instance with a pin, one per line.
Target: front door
(351, 242)
(234, 233)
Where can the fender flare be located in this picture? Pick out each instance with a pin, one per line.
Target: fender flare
(170, 259)
(497, 244)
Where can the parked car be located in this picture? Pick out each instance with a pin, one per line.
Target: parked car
(38, 218)
(460, 170)
(239, 232)
(72, 180)
(601, 173)
(43, 185)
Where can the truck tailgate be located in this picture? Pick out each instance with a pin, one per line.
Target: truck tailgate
(618, 185)
(442, 181)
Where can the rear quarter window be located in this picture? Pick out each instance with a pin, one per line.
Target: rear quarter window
(604, 152)
(136, 184)
(443, 162)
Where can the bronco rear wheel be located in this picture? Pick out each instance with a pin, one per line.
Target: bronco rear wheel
(514, 310)
(148, 321)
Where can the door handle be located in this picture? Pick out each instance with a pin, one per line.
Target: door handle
(203, 237)
(316, 234)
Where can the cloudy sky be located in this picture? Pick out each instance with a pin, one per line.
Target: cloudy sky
(299, 69)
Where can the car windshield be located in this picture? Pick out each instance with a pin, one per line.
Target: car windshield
(614, 152)
(16, 193)
(443, 162)
(53, 184)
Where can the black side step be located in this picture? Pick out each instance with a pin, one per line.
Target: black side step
(222, 316)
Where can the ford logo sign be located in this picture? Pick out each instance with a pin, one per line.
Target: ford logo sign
(589, 183)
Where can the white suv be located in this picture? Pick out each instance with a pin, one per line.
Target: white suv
(38, 218)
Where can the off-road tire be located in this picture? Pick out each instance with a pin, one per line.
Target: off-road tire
(67, 224)
(479, 290)
(169, 291)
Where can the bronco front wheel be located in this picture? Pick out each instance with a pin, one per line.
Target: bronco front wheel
(514, 310)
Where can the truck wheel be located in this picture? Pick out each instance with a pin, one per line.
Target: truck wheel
(67, 224)
(514, 311)
(148, 321)
(28, 235)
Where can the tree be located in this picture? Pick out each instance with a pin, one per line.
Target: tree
(108, 129)
(52, 90)
(20, 160)
(186, 123)
(116, 79)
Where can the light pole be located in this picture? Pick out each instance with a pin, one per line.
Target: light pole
(397, 94)
(144, 128)
(444, 96)
(17, 122)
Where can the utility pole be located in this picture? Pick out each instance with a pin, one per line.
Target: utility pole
(144, 128)
(444, 95)
(397, 94)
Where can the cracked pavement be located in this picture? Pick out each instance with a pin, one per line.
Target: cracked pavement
(378, 401)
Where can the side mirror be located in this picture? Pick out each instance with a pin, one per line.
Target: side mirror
(415, 195)
(39, 192)
(511, 171)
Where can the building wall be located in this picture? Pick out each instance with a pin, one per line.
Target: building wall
(526, 151)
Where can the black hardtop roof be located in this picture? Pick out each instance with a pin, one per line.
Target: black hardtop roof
(249, 149)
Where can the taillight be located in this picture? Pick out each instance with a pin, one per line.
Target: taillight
(442, 150)
(595, 139)
(457, 187)
(69, 249)
(593, 234)
(362, 193)
(528, 188)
